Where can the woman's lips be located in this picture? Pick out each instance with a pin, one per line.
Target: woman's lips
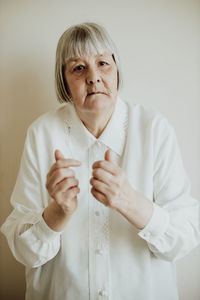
(95, 93)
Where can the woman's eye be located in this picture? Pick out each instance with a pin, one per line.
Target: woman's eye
(102, 63)
(79, 68)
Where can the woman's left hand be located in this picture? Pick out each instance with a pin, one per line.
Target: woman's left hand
(110, 185)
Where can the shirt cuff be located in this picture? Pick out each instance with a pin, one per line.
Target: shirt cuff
(40, 231)
(44, 232)
(157, 225)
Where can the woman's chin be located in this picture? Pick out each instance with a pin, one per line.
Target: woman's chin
(99, 103)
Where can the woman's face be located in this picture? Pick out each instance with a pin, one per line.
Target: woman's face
(92, 81)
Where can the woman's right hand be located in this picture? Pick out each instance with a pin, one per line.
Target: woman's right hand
(62, 185)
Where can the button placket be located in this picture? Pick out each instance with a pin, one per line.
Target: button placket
(100, 238)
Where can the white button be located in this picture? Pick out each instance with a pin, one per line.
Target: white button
(99, 251)
(97, 213)
(103, 293)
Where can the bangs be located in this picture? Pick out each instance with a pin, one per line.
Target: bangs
(84, 42)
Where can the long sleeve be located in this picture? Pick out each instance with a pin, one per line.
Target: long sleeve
(174, 227)
(31, 241)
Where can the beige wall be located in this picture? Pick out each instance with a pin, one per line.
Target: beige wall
(159, 46)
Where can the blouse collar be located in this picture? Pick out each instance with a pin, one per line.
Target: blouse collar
(113, 135)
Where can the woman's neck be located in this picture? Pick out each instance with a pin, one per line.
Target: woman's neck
(95, 123)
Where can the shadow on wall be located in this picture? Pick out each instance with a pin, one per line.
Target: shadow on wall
(25, 95)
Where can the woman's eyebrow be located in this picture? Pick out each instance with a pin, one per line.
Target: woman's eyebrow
(74, 59)
(101, 55)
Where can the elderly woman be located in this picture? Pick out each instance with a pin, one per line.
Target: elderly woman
(102, 204)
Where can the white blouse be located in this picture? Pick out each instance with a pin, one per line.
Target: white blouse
(100, 254)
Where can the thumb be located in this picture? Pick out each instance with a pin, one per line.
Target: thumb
(108, 156)
(58, 155)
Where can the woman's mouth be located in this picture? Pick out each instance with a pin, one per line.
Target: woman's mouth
(95, 93)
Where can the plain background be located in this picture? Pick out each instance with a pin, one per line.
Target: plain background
(159, 45)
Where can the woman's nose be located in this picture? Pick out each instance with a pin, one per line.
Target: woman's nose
(92, 76)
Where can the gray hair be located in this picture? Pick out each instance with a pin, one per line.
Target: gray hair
(79, 40)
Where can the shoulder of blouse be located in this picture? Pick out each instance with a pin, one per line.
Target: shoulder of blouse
(148, 117)
(50, 119)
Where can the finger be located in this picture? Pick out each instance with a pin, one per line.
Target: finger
(65, 172)
(65, 185)
(99, 186)
(108, 156)
(65, 163)
(59, 175)
(103, 175)
(69, 194)
(58, 155)
(99, 196)
(106, 165)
